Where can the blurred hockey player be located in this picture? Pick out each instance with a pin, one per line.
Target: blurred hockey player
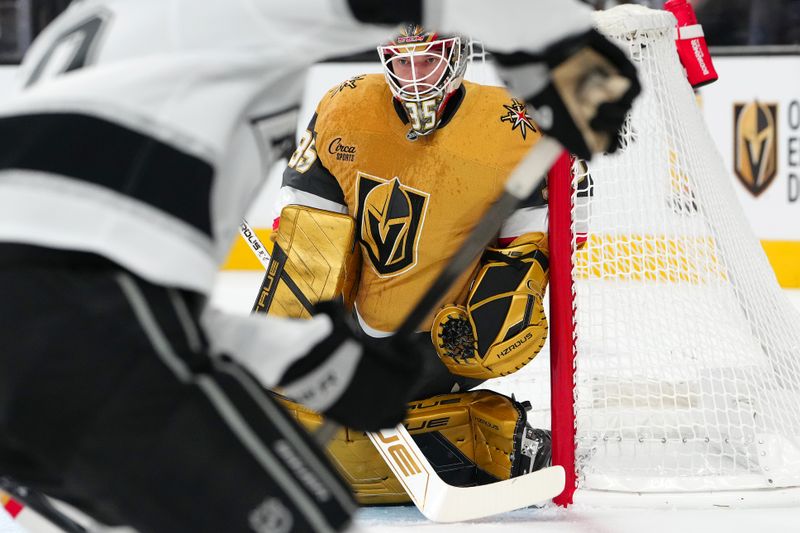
(139, 134)
(391, 175)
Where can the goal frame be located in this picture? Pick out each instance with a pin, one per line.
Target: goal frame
(563, 354)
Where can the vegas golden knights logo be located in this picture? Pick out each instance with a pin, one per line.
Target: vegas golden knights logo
(755, 142)
(390, 217)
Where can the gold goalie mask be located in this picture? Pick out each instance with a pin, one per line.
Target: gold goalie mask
(502, 325)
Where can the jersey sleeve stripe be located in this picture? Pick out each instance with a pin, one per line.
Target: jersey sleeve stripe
(129, 163)
(317, 182)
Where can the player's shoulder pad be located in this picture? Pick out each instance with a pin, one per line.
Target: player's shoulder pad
(360, 89)
(504, 114)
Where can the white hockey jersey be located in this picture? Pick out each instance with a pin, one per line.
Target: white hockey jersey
(142, 129)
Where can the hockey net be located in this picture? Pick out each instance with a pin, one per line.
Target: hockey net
(676, 356)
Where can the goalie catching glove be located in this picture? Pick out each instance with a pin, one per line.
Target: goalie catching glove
(591, 86)
(502, 326)
(356, 383)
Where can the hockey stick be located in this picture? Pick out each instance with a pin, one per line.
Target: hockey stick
(437, 500)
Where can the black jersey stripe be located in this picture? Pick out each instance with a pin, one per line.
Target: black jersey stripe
(317, 181)
(103, 153)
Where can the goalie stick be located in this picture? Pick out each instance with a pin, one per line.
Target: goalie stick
(437, 500)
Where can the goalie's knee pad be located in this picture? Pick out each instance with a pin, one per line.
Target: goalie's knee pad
(502, 326)
(470, 438)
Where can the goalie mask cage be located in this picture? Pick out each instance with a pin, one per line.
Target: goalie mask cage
(675, 356)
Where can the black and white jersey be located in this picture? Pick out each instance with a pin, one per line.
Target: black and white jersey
(141, 130)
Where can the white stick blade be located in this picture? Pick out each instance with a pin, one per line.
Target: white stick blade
(471, 503)
(441, 502)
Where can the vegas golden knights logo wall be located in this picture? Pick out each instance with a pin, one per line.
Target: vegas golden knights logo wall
(390, 217)
(755, 143)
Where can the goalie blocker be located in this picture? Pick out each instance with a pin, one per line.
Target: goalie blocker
(313, 260)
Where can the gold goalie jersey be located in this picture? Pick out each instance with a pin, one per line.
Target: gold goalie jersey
(414, 200)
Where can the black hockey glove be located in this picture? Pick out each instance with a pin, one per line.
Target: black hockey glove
(360, 383)
(590, 86)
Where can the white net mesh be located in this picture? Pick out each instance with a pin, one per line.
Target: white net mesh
(688, 353)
